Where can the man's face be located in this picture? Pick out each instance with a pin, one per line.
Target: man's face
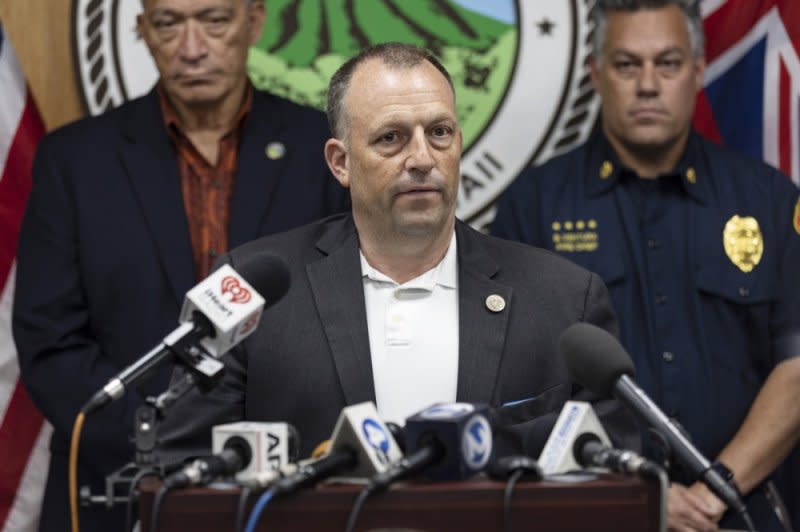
(401, 152)
(200, 46)
(648, 78)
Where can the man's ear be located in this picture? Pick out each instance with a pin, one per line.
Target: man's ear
(140, 26)
(699, 72)
(336, 157)
(595, 74)
(257, 14)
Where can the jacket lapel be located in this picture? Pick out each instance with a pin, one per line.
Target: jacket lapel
(339, 296)
(257, 174)
(154, 177)
(481, 331)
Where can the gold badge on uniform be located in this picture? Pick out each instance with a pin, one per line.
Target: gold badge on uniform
(743, 242)
(796, 219)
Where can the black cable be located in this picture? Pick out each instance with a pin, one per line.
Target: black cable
(244, 496)
(512, 481)
(748, 521)
(158, 501)
(133, 494)
(368, 490)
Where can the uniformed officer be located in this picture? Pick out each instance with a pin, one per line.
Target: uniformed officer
(699, 247)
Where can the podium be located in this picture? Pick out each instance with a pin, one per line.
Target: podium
(612, 503)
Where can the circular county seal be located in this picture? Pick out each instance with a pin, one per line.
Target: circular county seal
(519, 68)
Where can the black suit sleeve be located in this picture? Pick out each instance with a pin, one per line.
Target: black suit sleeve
(618, 422)
(60, 360)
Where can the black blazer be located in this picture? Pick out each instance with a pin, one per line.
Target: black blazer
(105, 258)
(310, 356)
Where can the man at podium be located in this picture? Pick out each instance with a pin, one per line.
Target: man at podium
(399, 302)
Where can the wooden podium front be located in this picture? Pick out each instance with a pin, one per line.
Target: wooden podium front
(611, 503)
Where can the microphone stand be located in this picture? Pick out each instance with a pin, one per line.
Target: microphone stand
(202, 371)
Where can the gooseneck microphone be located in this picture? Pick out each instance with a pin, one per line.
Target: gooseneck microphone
(598, 361)
(217, 314)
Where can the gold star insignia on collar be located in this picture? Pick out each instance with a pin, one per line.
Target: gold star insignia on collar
(691, 175)
(606, 169)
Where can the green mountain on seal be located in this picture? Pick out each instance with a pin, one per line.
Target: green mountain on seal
(299, 31)
(305, 41)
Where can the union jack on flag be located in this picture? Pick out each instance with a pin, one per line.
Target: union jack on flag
(751, 99)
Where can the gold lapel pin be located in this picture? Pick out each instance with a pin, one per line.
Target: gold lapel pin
(275, 150)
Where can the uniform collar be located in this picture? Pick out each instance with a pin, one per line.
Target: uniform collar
(605, 170)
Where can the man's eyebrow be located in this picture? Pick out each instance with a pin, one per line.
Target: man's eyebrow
(631, 53)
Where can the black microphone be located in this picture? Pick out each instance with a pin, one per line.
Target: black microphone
(315, 471)
(597, 361)
(235, 456)
(589, 451)
(445, 442)
(217, 314)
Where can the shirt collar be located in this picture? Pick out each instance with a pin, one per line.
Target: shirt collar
(605, 169)
(172, 122)
(444, 274)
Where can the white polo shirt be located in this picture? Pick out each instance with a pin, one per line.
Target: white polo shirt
(413, 337)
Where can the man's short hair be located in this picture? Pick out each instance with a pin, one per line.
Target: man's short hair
(690, 8)
(393, 54)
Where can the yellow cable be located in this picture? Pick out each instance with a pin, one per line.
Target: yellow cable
(321, 449)
(73, 470)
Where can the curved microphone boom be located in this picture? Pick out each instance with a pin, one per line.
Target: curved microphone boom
(598, 361)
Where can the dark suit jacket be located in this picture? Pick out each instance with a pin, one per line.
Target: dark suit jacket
(105, 259)
(310, 356)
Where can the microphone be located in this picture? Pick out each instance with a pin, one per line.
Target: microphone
(361, 446)
(597, 361)
(577, 418)
(445, 441)
(235, 456)
(590, 451)
(217, 314)
(272, 446)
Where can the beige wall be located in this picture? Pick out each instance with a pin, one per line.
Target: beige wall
(40, 32)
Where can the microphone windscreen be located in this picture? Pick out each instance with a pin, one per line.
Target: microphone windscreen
(594, 357)
(267, 273)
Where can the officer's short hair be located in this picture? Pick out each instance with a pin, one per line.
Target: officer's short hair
(395, 55)
(690, 8)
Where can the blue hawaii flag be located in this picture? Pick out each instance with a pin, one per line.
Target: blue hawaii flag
(751, 100)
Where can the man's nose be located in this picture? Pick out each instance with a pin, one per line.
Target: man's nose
(420, 158)
(648, 83)
(193, 43)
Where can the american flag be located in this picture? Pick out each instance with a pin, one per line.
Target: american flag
(751, 99)
(23, 433)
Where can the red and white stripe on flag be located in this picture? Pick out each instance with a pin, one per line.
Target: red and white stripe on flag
(23, 433)
(760, 38)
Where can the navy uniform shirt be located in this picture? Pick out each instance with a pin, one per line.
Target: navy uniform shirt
(703, 266)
